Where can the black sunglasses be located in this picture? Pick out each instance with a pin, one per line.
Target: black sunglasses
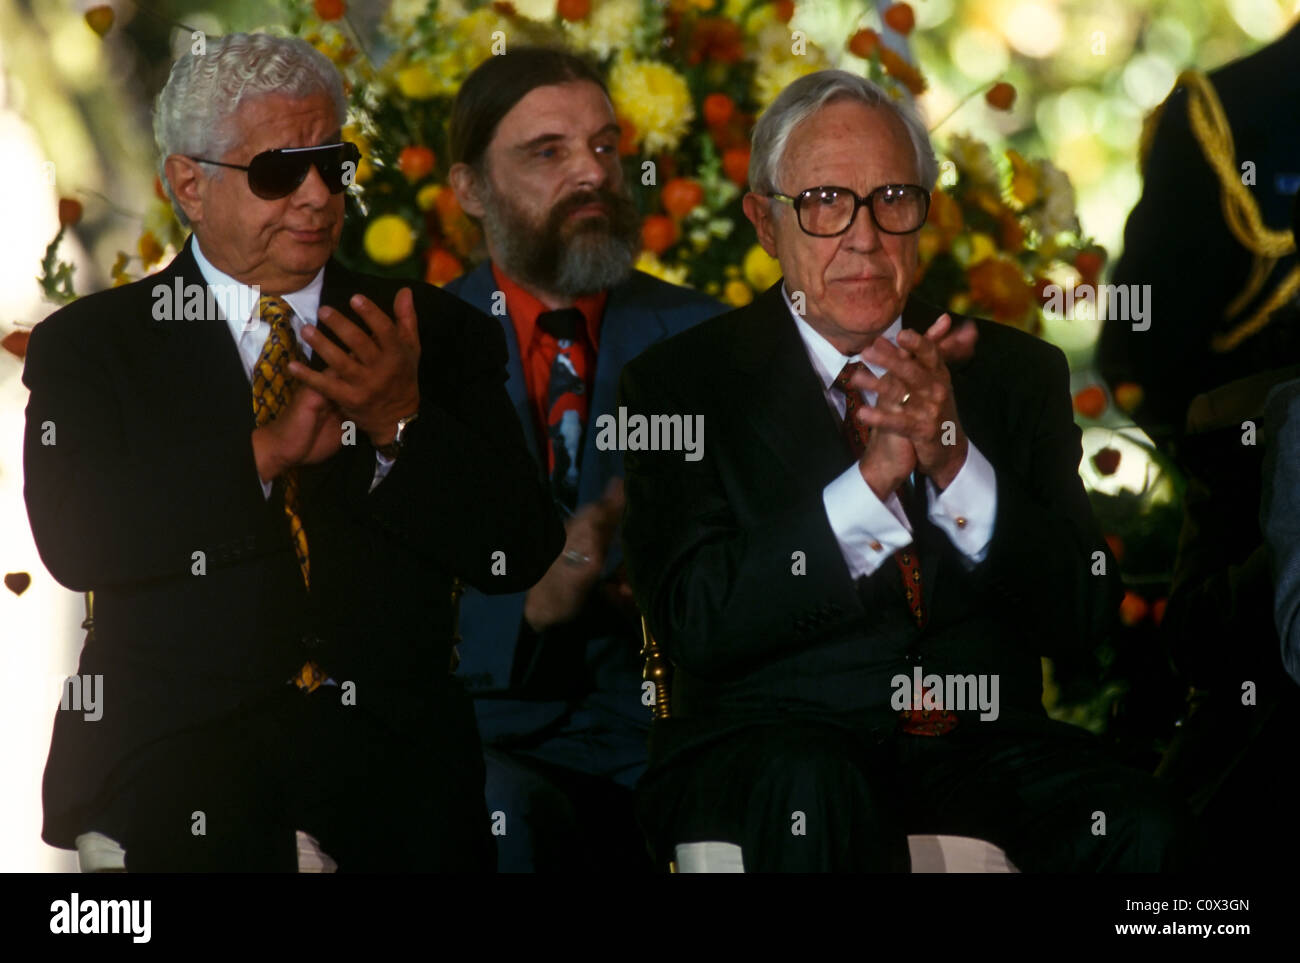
(274, 174)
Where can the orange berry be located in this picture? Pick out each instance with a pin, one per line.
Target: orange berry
(735, 164)
(1128, 396)
(1158, 610)
(573, 10)
(718, 109)
(330, 9)
(100, 18)
(69, 211)
(1090, 402)
(416, 162)
(783, 10)
(1001, 96)
(1133, 609)
(1116, 547)
(658, 233)
(864, 43)
(680, 196)
(900, 17)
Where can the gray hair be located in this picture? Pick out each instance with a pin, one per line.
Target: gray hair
(194, 110)
(809, 94)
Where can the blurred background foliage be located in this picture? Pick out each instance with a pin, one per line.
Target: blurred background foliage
(75, 112)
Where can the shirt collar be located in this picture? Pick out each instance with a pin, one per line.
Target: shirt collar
(238, 303)
(524, 307)
(827, 360)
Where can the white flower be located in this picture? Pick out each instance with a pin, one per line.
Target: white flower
(1056, 212)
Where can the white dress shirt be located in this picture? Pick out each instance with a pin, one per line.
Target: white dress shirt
(868, 530)
(239, 308)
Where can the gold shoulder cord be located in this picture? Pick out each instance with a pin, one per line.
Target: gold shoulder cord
(1240, 212)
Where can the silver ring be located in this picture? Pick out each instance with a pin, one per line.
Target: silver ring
(574, 557)
(906, 396)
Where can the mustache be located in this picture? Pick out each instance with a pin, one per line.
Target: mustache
(620, 211)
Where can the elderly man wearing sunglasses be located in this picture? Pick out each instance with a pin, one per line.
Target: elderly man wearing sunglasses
(270, 505)
(886, 531)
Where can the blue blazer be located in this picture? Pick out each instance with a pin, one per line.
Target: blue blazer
(594, 659)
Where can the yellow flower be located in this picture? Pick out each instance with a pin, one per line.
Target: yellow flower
(389, 239)
(651, 265)
(761, 269)
(1024, 180)
(427, 196)
(607, 28)
(151, 252)
(418, 82)
(981, 246)
(773, 76)
(655, 99)
(737, 294)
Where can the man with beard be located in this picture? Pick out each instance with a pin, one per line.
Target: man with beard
(555, 671)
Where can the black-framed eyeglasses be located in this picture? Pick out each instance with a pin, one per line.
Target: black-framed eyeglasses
(829, 211)
(274, 174)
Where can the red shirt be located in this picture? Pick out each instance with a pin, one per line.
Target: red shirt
(523, 309)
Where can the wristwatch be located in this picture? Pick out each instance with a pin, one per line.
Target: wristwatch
(394, 447)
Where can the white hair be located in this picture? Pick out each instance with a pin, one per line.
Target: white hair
(194, 110)
(809, 94)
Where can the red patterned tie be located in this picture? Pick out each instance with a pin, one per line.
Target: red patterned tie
(917, 721)
(569, 359)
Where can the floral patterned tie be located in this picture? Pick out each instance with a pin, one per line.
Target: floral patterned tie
(272, 390)
(916, 721)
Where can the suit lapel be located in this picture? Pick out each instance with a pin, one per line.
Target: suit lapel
(786, 401)
(626, 329)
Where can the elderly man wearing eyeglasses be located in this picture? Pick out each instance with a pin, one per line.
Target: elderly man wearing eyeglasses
(886, 530)
(271, 503)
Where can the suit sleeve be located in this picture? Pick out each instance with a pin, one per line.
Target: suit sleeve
(718, 594)
(464, 492)
(1280, 517)
(1042, 564)
(105, 515)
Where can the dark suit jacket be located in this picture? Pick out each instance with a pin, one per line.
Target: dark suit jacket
(153, 463)
(595, 657)
(709, 544)
(1177, 241)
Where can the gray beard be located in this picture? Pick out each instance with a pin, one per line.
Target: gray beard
(589, 259)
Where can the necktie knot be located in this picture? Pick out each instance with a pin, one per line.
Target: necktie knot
(563, 324)
(847, 372)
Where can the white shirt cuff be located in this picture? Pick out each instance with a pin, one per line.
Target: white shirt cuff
(868, 530)
(967, 508)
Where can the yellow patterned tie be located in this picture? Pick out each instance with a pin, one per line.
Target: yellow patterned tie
(272, 390)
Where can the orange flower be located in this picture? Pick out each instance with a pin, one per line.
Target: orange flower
(864, 43)
(680, 196)
(783, 10)
(416, 162)
(1090, 401)
(15, 342)
(573, 10)
(658, 233)
(151, 252)
(735, 164)
(998, 286)
(900, 17)
(718, 109)
(1133, 609)
(945, 217)
(330, 9)
(1011, 235)
(901, 70)
(442, 267)
(718, 40)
